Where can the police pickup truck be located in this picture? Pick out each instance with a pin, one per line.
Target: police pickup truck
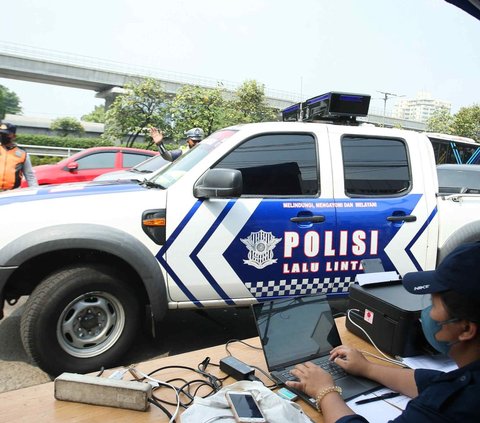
(253, 212)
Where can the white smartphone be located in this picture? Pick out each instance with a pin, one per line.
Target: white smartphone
(244, 407)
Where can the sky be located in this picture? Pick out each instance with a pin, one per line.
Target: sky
(305, 47)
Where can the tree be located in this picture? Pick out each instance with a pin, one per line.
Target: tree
(208, 108)
(9, 102)
(143, 105)
(66, 126)
(97, 115)
(467, 122)
(441, 122)
(249, 104)
(195, 106)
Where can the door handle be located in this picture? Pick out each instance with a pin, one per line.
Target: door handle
(404, 218)
(312, 219)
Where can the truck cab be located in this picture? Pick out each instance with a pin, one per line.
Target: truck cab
(282, 209)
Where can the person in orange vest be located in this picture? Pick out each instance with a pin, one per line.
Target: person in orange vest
(14, 162)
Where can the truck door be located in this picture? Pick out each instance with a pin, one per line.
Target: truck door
(273, 235)
(380, 212)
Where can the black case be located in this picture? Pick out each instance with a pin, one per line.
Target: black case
(395, 326)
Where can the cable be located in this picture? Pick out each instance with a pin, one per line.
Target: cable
(385, 357)
(188, 388)
(242, 342)
(156, 403)
(275, 384)
(215, 418)
(172, 418)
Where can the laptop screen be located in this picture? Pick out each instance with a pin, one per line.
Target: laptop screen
(294, 330)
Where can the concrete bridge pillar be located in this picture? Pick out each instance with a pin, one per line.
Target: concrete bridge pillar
(110, 95)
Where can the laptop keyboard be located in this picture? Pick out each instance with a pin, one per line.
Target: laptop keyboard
(329, 366)
(334, 369)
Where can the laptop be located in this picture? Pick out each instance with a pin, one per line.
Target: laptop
(299, 329)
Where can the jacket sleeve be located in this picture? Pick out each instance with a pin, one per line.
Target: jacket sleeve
(164, 152)
(29, 173)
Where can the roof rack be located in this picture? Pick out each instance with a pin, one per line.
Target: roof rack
(334, 107)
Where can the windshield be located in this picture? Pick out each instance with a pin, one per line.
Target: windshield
(173, 172)
(150, 165)
(458, 178)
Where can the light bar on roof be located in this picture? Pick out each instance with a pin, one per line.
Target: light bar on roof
(330, 106)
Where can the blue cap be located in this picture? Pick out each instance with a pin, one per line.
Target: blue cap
(459, 272)
(7, 128)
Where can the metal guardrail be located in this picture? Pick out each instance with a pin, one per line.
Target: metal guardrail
(37, 150)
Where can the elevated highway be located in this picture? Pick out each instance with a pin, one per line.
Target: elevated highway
(106, 78)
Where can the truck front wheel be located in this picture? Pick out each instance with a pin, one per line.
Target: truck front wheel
(80, 319)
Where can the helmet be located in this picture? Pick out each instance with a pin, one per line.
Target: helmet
(196, 134)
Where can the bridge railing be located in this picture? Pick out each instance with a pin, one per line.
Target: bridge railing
(37, 150)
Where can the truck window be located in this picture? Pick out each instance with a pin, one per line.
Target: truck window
(276, 165)
(375, 166)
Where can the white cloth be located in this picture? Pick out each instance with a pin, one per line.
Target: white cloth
(274, 408)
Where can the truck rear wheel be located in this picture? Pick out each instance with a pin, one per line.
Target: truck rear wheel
(80, 319)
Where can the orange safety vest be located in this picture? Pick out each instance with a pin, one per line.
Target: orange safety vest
(12, 159)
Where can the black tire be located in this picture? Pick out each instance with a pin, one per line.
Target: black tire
(80, 319)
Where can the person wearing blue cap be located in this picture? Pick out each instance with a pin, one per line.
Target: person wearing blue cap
(194, 136)
(14, 162)
(451, 324)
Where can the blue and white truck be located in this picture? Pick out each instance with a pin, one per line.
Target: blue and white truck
(253, 212)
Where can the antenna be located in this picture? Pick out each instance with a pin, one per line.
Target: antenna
(386, 96)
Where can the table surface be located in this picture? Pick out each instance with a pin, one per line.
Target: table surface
(37, 403)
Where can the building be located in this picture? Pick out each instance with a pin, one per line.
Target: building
(421, 108)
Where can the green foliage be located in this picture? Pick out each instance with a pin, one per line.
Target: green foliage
(143, 105)
(97, 115)
(49, 141)
(441, 122)
(43, 160)
(66, 126)
(195, 106)
(249, 104)
(9, 102)
(465, 123)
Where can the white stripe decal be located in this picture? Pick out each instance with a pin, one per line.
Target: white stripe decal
(211, 254)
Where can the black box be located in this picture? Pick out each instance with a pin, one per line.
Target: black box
(335, 104)
(390, 315)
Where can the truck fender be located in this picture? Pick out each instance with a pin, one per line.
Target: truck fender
(95, 237)
(468, 233)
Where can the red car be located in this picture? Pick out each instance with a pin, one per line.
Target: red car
(90, 163)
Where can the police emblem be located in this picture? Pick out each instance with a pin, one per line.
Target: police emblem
(260, 247)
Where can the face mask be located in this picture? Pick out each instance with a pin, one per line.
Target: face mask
(5, 138)
(431, 327)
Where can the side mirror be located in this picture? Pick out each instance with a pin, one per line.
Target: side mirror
(219, 183)
(72, 166)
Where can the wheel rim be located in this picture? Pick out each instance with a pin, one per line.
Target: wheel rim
(90, 324)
